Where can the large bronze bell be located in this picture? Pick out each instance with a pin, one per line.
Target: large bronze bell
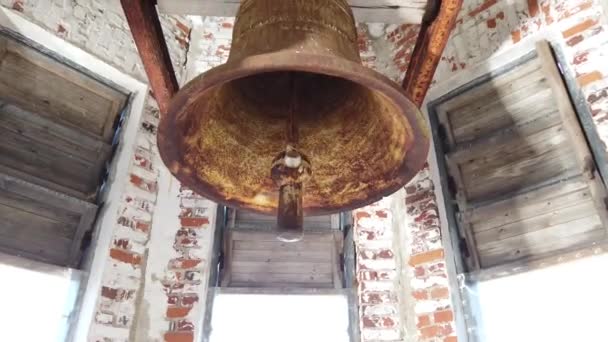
(293, 110)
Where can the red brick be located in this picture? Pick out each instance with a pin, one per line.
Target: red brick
(423, 321)
(420, 295)
(579, 28)
(440, 293)
(183, 263)
(126, 257)
(108, 292)
(444, 316)
(516, 36)
(193, 222)
(188, 300)
(533, 8)
(177, 311)
(586, 79)
(575, 40)
(426, 257)
(179, 337)
(450, 339)
(430, 331)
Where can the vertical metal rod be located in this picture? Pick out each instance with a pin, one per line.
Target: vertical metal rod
(290, 217)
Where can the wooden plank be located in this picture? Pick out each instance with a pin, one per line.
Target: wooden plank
(86, 224)
(46, 210)
(281, 246)
(498, 117)
(228, 249)
(25, 224)
(573, 128)
(526, 161)
(17, 174)
(470, 149)
(42, 130)
(462, 219)
(240, 235)
(239, 266)
(512, 148)
(384, 11)
(508, 82)
(249, 220)
(336, 262)
(536, 223)
(50, 88)
(42, 194)
(284, 291)
(280, 279)
(498, 100)
(42, 224)
(536, 244)
(44, 161)
(282, 255)
(280, 285)
(37, 250)
(541, 201)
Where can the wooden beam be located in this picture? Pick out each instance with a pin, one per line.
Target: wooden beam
(148, 35)
(432, 39)
(369, 11)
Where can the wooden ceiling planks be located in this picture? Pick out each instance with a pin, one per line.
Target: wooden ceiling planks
(365, 11)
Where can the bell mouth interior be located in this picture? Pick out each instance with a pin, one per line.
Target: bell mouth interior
(356, 140)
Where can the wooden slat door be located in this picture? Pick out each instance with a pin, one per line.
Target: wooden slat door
(256, 258)
(522, 177)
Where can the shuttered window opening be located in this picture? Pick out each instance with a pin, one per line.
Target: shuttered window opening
(56, 130)
(253, 257)
(522, 181)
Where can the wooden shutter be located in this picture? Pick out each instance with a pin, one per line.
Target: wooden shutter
(42, 224)
(258, 259)
(253, 257)
(523, 181)
(56, 122)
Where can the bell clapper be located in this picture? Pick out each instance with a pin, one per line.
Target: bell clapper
(289, 171)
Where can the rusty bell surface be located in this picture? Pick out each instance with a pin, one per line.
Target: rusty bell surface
(362, 137)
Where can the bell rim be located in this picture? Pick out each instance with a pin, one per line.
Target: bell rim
(416, 155)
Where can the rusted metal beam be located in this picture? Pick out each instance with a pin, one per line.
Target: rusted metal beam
(148, 35)
(432, 39)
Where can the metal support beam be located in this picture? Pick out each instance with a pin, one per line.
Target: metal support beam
(148, 35)
(432, 39)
